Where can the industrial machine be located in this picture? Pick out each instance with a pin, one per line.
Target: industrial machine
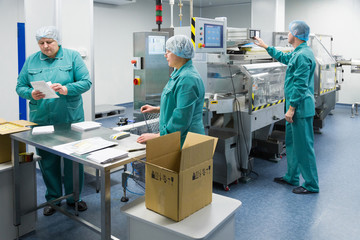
(151, 70)
(244, 100)
(244, 93)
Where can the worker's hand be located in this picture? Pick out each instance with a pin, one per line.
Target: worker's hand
(147, 136)
(149, 109)
(290, 114)
(260, 43)
(37, 95)
(57, 87)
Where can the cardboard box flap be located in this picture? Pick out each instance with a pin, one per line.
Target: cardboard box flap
(169, 161)
(9, 127)
(195, 138)
(199, 149)
(163, 145)
(24, 123)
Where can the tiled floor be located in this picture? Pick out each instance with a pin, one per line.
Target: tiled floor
(269, 210)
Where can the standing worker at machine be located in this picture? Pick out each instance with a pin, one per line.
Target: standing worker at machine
(300, 109)
(182, 99)
(70, 78)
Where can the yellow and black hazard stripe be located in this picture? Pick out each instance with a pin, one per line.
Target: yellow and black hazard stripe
(328, 90)
(266, 105)
(193, 31)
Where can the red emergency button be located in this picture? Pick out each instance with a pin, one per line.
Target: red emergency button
(137, 81)
(201, 45)
(133, 61)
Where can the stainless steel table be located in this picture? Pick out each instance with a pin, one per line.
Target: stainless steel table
(63, 134)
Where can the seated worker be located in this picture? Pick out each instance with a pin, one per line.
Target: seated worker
(182, 99)
(70, 78)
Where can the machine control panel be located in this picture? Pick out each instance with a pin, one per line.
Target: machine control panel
(254, 33)
(208, 35)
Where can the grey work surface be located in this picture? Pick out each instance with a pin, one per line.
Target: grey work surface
(62, 135)
(199, 225)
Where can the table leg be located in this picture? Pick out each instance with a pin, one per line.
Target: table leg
(16, 177)
(97, 181)
(105, 205)
(76, 186)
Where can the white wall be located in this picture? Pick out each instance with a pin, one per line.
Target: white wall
(238, 15)
(36, 17)
(11, 12)
(75, 20)
(339, 18)
(268, 16)
(113, 41)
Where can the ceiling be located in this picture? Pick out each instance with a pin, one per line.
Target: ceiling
(210, 3)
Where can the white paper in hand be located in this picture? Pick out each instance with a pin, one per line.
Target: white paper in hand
(45, 88)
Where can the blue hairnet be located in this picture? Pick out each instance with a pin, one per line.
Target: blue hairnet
(181, 46)
(300, 30)
(47, 32)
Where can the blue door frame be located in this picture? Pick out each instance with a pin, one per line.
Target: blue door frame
(21, 61)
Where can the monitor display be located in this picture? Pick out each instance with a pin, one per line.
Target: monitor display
(213, 36)
(156, 45)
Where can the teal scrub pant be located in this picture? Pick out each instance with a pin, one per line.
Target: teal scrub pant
(50, 166)
(299, 140)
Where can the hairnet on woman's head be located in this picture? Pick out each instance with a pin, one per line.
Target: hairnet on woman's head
(181, 46)
(300, 30)
(47, 32)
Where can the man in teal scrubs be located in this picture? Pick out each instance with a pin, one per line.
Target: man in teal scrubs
(70, 78)
(300, 109)
(182, 99)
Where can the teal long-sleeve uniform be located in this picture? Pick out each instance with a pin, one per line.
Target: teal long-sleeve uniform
(68, 69)
(299, 93)
(182, 101)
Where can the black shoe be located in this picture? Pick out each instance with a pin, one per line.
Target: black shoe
(281, 180)
(49, 210)
(301, 190)
(81, 206)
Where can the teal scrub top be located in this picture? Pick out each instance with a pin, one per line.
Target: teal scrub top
(182, 102)
(68, 69)
(299, 79)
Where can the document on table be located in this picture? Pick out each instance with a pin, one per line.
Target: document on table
(42, 130)
(84, 146)
(107, 155)
(45, 88)
(133, 146)
(84, 126)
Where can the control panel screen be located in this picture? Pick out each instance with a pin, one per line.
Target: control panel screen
(213, 36)
(156, 45)
(254, 33)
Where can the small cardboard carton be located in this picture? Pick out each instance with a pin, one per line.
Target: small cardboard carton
(6, 128)
(178, 182)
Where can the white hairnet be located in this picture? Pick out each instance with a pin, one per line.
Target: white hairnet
(181, 46)
(47, 32)
(300, 30)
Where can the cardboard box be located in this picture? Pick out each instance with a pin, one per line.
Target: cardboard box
(178, 182)
(6, 128)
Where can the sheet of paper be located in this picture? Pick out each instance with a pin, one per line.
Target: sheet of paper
(44, 87)
(107, 155)
(84, 146)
